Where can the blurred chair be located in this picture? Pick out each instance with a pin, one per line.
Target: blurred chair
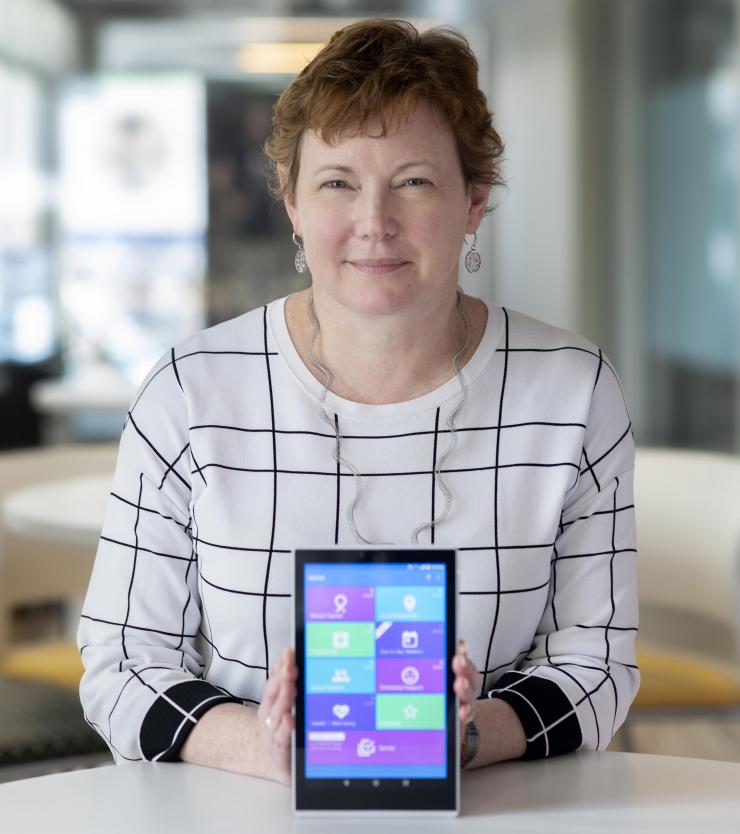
(688, 538)
(32, 570)
(41, 724)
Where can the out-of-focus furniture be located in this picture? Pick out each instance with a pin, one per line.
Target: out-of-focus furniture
(688, 537)
(100, 394)
(46, 554)
(63, 510)
(34, 569)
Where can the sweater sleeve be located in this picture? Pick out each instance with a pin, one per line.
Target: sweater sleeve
(580, 676)
(143, 689)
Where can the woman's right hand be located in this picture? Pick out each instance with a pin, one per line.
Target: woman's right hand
(275, 717)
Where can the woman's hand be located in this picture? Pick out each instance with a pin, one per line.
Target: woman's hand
(275, 716)
(466, 682)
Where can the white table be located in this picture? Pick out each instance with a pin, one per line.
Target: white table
(69, 509)
(97, 389)
(584, 792)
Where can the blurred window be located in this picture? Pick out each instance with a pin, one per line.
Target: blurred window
(132, 217)
(27, 317)
(691, 179)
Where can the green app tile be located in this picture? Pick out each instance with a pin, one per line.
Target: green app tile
(410, 712)
(340, 639)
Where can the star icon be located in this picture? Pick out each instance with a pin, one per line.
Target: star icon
(409, 711)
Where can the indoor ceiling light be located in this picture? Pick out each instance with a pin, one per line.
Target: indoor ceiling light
(276, 57)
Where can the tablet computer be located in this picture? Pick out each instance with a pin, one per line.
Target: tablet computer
(376, 716)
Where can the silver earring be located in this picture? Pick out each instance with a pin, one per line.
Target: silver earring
(300, 256)
(472, 259)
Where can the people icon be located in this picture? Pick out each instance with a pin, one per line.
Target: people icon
(410, 675)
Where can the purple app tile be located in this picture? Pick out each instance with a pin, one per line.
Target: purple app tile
(409, 640)
(379, 747)
(410, 675)
(340, 712)
(341, 602)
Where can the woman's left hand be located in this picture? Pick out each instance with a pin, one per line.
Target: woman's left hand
(466, 681)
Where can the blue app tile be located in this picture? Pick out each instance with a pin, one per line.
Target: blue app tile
(408, 603)
(339, 674)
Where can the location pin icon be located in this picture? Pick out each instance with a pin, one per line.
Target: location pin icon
(409, 602)
(340, 603)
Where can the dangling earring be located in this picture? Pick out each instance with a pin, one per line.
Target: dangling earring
(472, 259)
(300, 256)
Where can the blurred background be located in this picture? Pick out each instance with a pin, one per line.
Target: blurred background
(134, 211)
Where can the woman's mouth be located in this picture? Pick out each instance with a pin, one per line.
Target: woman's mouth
(378, 266)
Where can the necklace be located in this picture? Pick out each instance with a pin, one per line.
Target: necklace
(337, 451)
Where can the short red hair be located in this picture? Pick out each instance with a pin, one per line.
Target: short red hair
(382, 68)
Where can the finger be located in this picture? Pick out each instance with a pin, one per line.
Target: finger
(463, 667)
(463, 689)
(282, 736)
(283, 702)
(286, 697)
(270, 693)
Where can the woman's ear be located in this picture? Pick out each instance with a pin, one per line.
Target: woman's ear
(478, 195)
(288, 199)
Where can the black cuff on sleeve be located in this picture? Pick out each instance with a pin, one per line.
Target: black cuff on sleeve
(165, 727)
(538, 703)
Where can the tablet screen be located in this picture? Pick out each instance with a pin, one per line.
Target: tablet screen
(374, 642)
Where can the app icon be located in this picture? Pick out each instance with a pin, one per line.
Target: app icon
(410, 640)
(340, 676)
(340, 603)
(409, 602)
(340, 639)
(409, 711)
(340, 710)
(365, 747)
(410, 675)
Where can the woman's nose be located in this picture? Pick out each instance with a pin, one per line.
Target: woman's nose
(374, 215)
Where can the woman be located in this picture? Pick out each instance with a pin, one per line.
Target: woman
(382, 405)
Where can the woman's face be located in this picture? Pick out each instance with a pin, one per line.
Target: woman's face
(383, 219)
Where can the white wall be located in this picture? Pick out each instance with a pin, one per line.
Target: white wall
(535, 101)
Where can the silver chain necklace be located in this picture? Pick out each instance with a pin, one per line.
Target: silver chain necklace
(337, 451)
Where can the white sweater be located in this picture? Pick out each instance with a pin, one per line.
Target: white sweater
(225, 465)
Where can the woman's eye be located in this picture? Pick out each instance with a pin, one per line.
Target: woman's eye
(418, 180)
(332, 183)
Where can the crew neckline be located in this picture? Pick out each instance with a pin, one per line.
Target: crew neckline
(383, 411)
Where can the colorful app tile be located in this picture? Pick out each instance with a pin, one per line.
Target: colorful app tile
(339, 675)
(340, 712)
(407, 603)
(343, 602)
(410, 712)
(376, 748)
(340, 639)
(409, 639)
(410, 675)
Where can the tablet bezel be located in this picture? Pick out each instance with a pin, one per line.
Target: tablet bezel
(373, 796)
